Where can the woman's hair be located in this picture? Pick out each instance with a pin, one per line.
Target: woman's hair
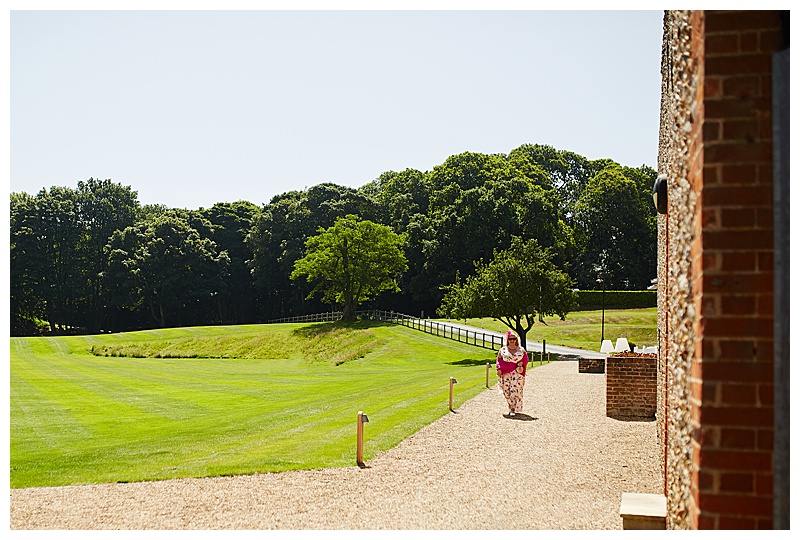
(509, 334)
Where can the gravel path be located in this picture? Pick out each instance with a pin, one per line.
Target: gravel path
(563, 465)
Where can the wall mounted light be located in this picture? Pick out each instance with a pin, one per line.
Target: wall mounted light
(660, 193)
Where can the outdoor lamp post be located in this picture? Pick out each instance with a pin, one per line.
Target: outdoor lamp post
(603, 319)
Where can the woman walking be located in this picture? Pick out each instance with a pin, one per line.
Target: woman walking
(512, 362)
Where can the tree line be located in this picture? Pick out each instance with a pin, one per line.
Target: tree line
(94, 259)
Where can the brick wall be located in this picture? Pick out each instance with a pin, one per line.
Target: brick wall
(733, 453)
(591, 365)
(716, 268)
(631, 387)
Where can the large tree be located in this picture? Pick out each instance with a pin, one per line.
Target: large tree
(480, 202)
(103, 207)
(46, 235)
(351, 262)
(615, 230)
(165, 265)
(27, 258)
(399, 197)
(57, 257)
(520, 283)
(232, 223)
(278, 236)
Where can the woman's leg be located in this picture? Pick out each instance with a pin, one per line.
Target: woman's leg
(517, 383)
(505, 385)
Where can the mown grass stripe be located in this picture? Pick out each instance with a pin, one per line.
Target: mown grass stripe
(126, 419)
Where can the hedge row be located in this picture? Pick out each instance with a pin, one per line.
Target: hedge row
(591, 300)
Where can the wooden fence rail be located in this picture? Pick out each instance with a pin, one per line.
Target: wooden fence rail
(329, 316)
(442, 329)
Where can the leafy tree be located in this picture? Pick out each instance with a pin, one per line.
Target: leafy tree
(542, 165)
(616, 233)
(643, 177)
(488, 200)
(26, 258)
(327, 202)
(278, 236)
(150, 211)
(400, 195)
(277, 239)
(351, 262)
(58, 238)
(103, 207)
(520, 283)
(166, 266)
(232, 223)
(47, 246)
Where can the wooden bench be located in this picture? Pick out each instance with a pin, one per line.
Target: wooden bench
(643, 511)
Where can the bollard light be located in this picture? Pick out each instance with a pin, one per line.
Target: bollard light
(622, 345)
(362, 419)
(452, 382)
(487, 374)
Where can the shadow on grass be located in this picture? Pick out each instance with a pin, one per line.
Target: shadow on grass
(468, 362)
(320, 329)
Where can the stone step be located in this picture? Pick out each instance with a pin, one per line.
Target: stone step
(640, 511)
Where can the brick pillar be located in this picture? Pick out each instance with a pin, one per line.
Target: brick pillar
(631, 391)
(732, 396)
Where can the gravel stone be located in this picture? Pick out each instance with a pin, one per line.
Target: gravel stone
(561, 464)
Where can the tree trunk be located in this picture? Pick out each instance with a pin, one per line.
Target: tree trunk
(349, 311)
(523, 341)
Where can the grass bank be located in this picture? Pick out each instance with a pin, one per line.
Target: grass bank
(207, 401)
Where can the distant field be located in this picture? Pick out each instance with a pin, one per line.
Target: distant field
(206, 401)
(582, 329)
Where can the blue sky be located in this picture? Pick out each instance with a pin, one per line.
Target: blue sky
(194, 108)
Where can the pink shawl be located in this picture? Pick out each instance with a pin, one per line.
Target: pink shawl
(508, 361)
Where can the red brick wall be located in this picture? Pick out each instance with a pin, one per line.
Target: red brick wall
(732, 375)
(591, 365)
(631, 387)
(700, 266)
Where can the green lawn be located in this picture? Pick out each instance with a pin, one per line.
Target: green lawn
(582, 329)
(207, 401)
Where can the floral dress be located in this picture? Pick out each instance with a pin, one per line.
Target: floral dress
(511, 375)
